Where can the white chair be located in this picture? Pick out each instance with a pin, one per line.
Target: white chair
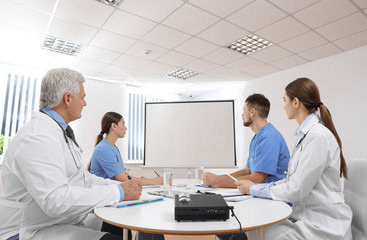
(355, 192)
(1, 185)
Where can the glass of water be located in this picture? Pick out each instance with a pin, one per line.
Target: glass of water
(167, 178)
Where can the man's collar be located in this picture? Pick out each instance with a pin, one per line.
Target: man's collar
(54, 115)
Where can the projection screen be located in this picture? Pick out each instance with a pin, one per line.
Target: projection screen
(189, 134)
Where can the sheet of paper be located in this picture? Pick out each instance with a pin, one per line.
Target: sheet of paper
(226, 192)
(237, 198)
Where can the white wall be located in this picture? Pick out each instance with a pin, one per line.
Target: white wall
(101, 97)
(343, 88)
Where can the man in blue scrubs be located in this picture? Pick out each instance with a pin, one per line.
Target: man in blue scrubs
(268, 153)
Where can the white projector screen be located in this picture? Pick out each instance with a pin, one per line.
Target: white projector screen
(190, 134)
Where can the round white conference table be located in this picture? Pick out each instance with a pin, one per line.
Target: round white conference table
(158, 217)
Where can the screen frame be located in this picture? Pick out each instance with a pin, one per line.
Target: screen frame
(234, 164)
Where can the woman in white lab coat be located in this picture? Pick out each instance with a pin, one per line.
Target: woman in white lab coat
(313, 179)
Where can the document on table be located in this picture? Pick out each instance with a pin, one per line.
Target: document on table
(152, 186)
(144, 198)
(230, 194)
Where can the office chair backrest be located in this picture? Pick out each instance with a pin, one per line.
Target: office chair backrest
(355, 192)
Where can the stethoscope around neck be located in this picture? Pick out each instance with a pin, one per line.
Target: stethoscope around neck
(75, 150)
(288, 173)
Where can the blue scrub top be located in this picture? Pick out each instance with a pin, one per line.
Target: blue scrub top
(106, 160)
(269, 153)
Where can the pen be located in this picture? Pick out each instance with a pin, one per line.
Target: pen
(235, 179)
(157, 173)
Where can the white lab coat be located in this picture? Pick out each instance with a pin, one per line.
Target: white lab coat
(313, 185)
(47, 193)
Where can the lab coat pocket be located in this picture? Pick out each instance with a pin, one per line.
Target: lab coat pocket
(336, 197)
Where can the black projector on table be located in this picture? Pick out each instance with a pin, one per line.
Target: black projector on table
(201, 207)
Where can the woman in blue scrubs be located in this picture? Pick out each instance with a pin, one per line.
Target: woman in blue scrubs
(107, 162)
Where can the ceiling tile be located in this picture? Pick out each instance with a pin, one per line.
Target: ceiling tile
(60, 60)
(155, 79)
(303, 42)
(75, 10)
(99, 54)
(228, 74)
(165, 37)
(86, 73)
(117, 71)
(111, 41)
(204, 78)
(159, 68)
(291, 6)
(221, 8)
(196, 47)
(117, 75)
(361, 3)
(256, 15)
(320, 52)
(175, 58)
(325, 12)
(41, 5)
(282, 30)
(270, 54)
(15, 50)
(128, 24)
(223, 33)
(156, 10)
(353, 41)
(190, 19)
(222, 56)
(200, 66)
(131, 62)
(244, 64)
(262, 71)
(289, 62)
(146, 50)
(87, 65)
(349, 25)
(23, 16)
(71, 30)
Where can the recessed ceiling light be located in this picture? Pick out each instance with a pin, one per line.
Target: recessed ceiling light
(62, 46)
(113, 3)
(182, 73)
(249, 44)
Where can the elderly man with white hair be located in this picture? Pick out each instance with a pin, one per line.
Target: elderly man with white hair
(47, 193)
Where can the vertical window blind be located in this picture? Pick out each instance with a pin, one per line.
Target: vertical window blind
(135, 126)
(20, 96)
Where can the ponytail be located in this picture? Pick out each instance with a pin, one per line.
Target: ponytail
(98, 139)
(327, 120)
(308, 93)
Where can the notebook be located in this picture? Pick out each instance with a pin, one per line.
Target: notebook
(144, 198)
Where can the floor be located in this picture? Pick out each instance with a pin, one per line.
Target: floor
(182, 237)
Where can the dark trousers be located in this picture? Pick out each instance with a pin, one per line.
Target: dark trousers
(114, 233)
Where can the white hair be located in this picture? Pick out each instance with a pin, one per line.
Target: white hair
(56, 83)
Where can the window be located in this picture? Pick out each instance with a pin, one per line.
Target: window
(136, 125)
(20, 93)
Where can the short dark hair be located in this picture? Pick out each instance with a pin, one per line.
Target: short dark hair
(260, 103)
